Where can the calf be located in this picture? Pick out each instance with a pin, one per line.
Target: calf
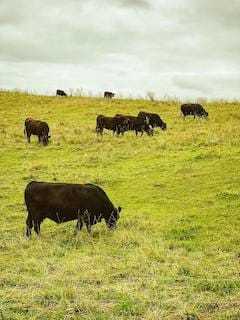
(37, 128)
(62, 202)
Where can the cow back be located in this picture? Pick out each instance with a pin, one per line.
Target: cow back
(67, 200)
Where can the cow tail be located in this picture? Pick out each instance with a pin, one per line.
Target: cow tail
(25, 131)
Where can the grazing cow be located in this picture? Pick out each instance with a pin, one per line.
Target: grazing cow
(108, 94)
(62, 202)
(116, 124)
(138, 124)
(61, 93)
(193, 109)
(37, 128)
(154, 119)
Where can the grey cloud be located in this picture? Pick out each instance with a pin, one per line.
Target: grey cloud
(141, 4)
(136, 3)
(208, 84)
(194, 82)
(220, 12)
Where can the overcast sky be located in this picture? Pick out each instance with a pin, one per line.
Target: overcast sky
(184, 48)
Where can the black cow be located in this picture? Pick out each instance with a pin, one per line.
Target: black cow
(37, 128)
(61, 93)
(62, 202)
(154, 119)
(193, 109)
(138, 124)
(116, 124)
(108, 94)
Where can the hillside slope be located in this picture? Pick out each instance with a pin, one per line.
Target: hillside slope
(175, 253)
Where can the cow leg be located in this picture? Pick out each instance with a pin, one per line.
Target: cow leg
(115, 131)
(39, 139)
(150, 133)
(121, 131)
(99, 131)
(27, 134)
(78, 226)
(29, 225)
(86, 218)
(88, 225)
(36, 226)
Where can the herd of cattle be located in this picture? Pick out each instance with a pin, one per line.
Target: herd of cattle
(86, 203)
(143, 122)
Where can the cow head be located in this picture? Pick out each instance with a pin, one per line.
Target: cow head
(45, 140)
(157, 122)
(163, 126)
(112, 220)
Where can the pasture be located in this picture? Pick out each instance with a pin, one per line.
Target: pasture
(176, 251)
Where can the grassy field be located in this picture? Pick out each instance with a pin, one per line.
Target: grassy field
(176, 251)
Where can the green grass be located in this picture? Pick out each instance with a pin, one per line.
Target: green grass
(176, 251)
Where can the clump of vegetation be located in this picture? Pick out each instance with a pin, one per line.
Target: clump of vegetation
(151, 95)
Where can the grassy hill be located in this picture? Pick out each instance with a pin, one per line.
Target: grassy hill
(176, 251)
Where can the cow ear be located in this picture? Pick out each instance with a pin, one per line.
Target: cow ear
(119, 209)
(49, 137)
